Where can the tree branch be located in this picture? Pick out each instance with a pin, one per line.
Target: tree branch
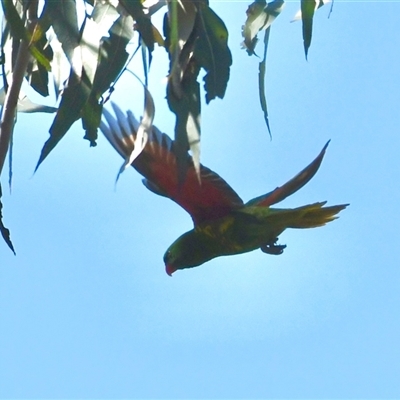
(17, 77)
(11, 100)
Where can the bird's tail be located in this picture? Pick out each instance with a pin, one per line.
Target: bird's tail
(311, 216)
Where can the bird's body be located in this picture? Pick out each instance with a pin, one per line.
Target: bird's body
(237, 233)
(244, 230)
(223, 224)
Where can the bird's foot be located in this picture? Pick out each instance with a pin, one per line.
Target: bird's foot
(273, 248)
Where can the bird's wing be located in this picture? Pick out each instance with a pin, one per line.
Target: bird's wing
(207, 199)
(291, 186)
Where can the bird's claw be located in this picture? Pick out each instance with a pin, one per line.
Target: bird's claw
(273, 248)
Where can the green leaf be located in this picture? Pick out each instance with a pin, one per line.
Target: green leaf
(187, 127)
(180, 40)
(18, 31)
(39, 77)
(183, 90)
(60, 66)
(320, 3)
(81, 97)
(261, 80)
(91, 117)
(307, 14)
(155, 7)
(64, 20)
(113, 55)
(104, 14)
(73, 99)
(5, 233)
(90, 47)
(40, 57)
(256, 20)
(25, 105)
(17, 27)
(212, 53)
(260, 15)
(39, 81)
(142, 22)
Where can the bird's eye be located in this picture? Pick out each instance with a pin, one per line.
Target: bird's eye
(167, 256)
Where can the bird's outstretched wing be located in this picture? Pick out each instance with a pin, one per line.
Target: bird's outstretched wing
(291, 186)
(207, 199)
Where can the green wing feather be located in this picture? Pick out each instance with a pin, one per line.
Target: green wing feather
(292, 186)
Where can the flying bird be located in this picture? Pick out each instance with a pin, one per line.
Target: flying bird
(223, 223)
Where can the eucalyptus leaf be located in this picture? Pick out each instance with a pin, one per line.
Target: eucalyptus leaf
(12, 16)
(306, 14)
(260, 15)
(187, 109)
(104, 14)
(156, 6)
(5, 233)
(38, 77)
(113, 54)
(64, 21)
(308, 8)
(112, 59)
(91, 117)
(39, 80)
(60, 67)
(90, 46)
(73, 99)
(142, 21)
(181, 22)
(321, 3)
(256, 20)
(18, 31)
(81, 97)
(261, 80)
(212, 53)
(25, 105)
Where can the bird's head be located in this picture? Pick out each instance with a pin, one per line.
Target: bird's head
(188, 251)
(171, 261)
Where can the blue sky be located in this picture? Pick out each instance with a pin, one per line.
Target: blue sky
(86, 309)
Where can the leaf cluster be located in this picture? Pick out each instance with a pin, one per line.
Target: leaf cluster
(78, 54)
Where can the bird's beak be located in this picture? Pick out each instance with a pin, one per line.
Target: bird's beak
(169, 269)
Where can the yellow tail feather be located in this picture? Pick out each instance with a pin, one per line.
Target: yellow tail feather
(314, 215)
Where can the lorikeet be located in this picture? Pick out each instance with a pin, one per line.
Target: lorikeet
(223, 224)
